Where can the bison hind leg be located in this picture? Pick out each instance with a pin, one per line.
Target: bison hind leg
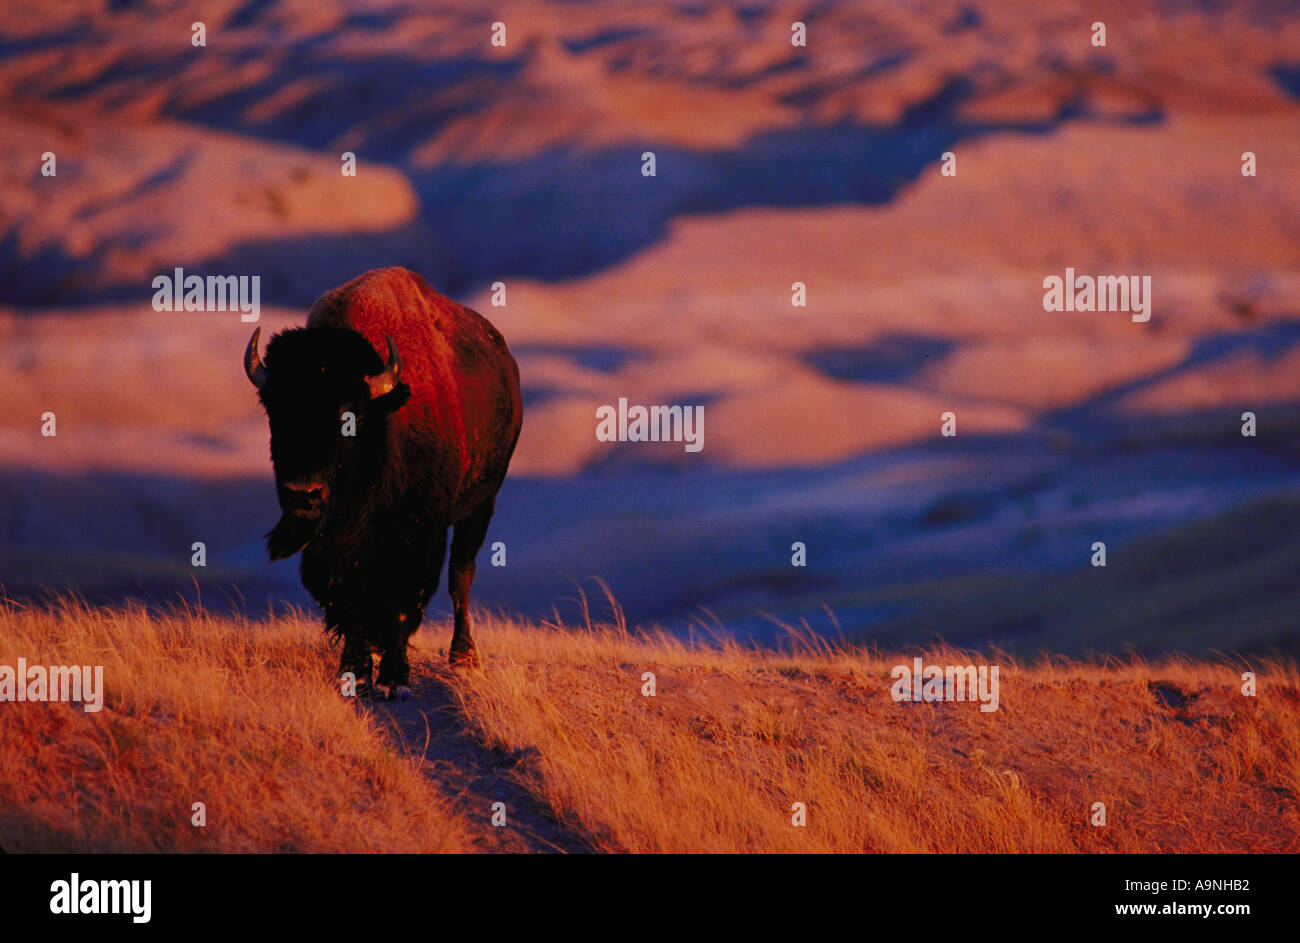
(465, 543)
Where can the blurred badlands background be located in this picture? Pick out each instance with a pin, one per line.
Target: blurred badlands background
(775, 164)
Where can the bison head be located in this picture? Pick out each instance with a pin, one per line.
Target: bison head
(327, 396)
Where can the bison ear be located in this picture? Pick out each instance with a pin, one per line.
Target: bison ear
(393, 400)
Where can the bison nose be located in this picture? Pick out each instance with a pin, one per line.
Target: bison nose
(303, 496)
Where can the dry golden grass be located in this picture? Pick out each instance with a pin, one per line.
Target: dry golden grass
(238, 715)
(243, 716)
(733, 738)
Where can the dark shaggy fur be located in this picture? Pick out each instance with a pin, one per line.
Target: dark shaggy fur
(428, 456)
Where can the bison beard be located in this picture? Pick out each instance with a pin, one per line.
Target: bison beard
(434, 428)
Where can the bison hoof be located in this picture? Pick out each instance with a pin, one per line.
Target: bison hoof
(393, 692)
(467, 660)
(352, 687)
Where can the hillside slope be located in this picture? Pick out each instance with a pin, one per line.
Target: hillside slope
(242, 715)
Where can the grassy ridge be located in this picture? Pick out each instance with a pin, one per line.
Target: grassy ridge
(238, 715)
(242, 715)
(733, 738)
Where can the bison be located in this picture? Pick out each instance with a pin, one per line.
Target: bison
(377, 457)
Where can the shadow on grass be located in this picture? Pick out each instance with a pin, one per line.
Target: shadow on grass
(431, 727)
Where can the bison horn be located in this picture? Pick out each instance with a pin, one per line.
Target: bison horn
(382, 383)
(253, 365)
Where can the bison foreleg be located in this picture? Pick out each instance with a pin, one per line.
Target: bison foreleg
(394, 666)
(356, 660)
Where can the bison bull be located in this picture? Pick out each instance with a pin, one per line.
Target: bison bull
(377, 457)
